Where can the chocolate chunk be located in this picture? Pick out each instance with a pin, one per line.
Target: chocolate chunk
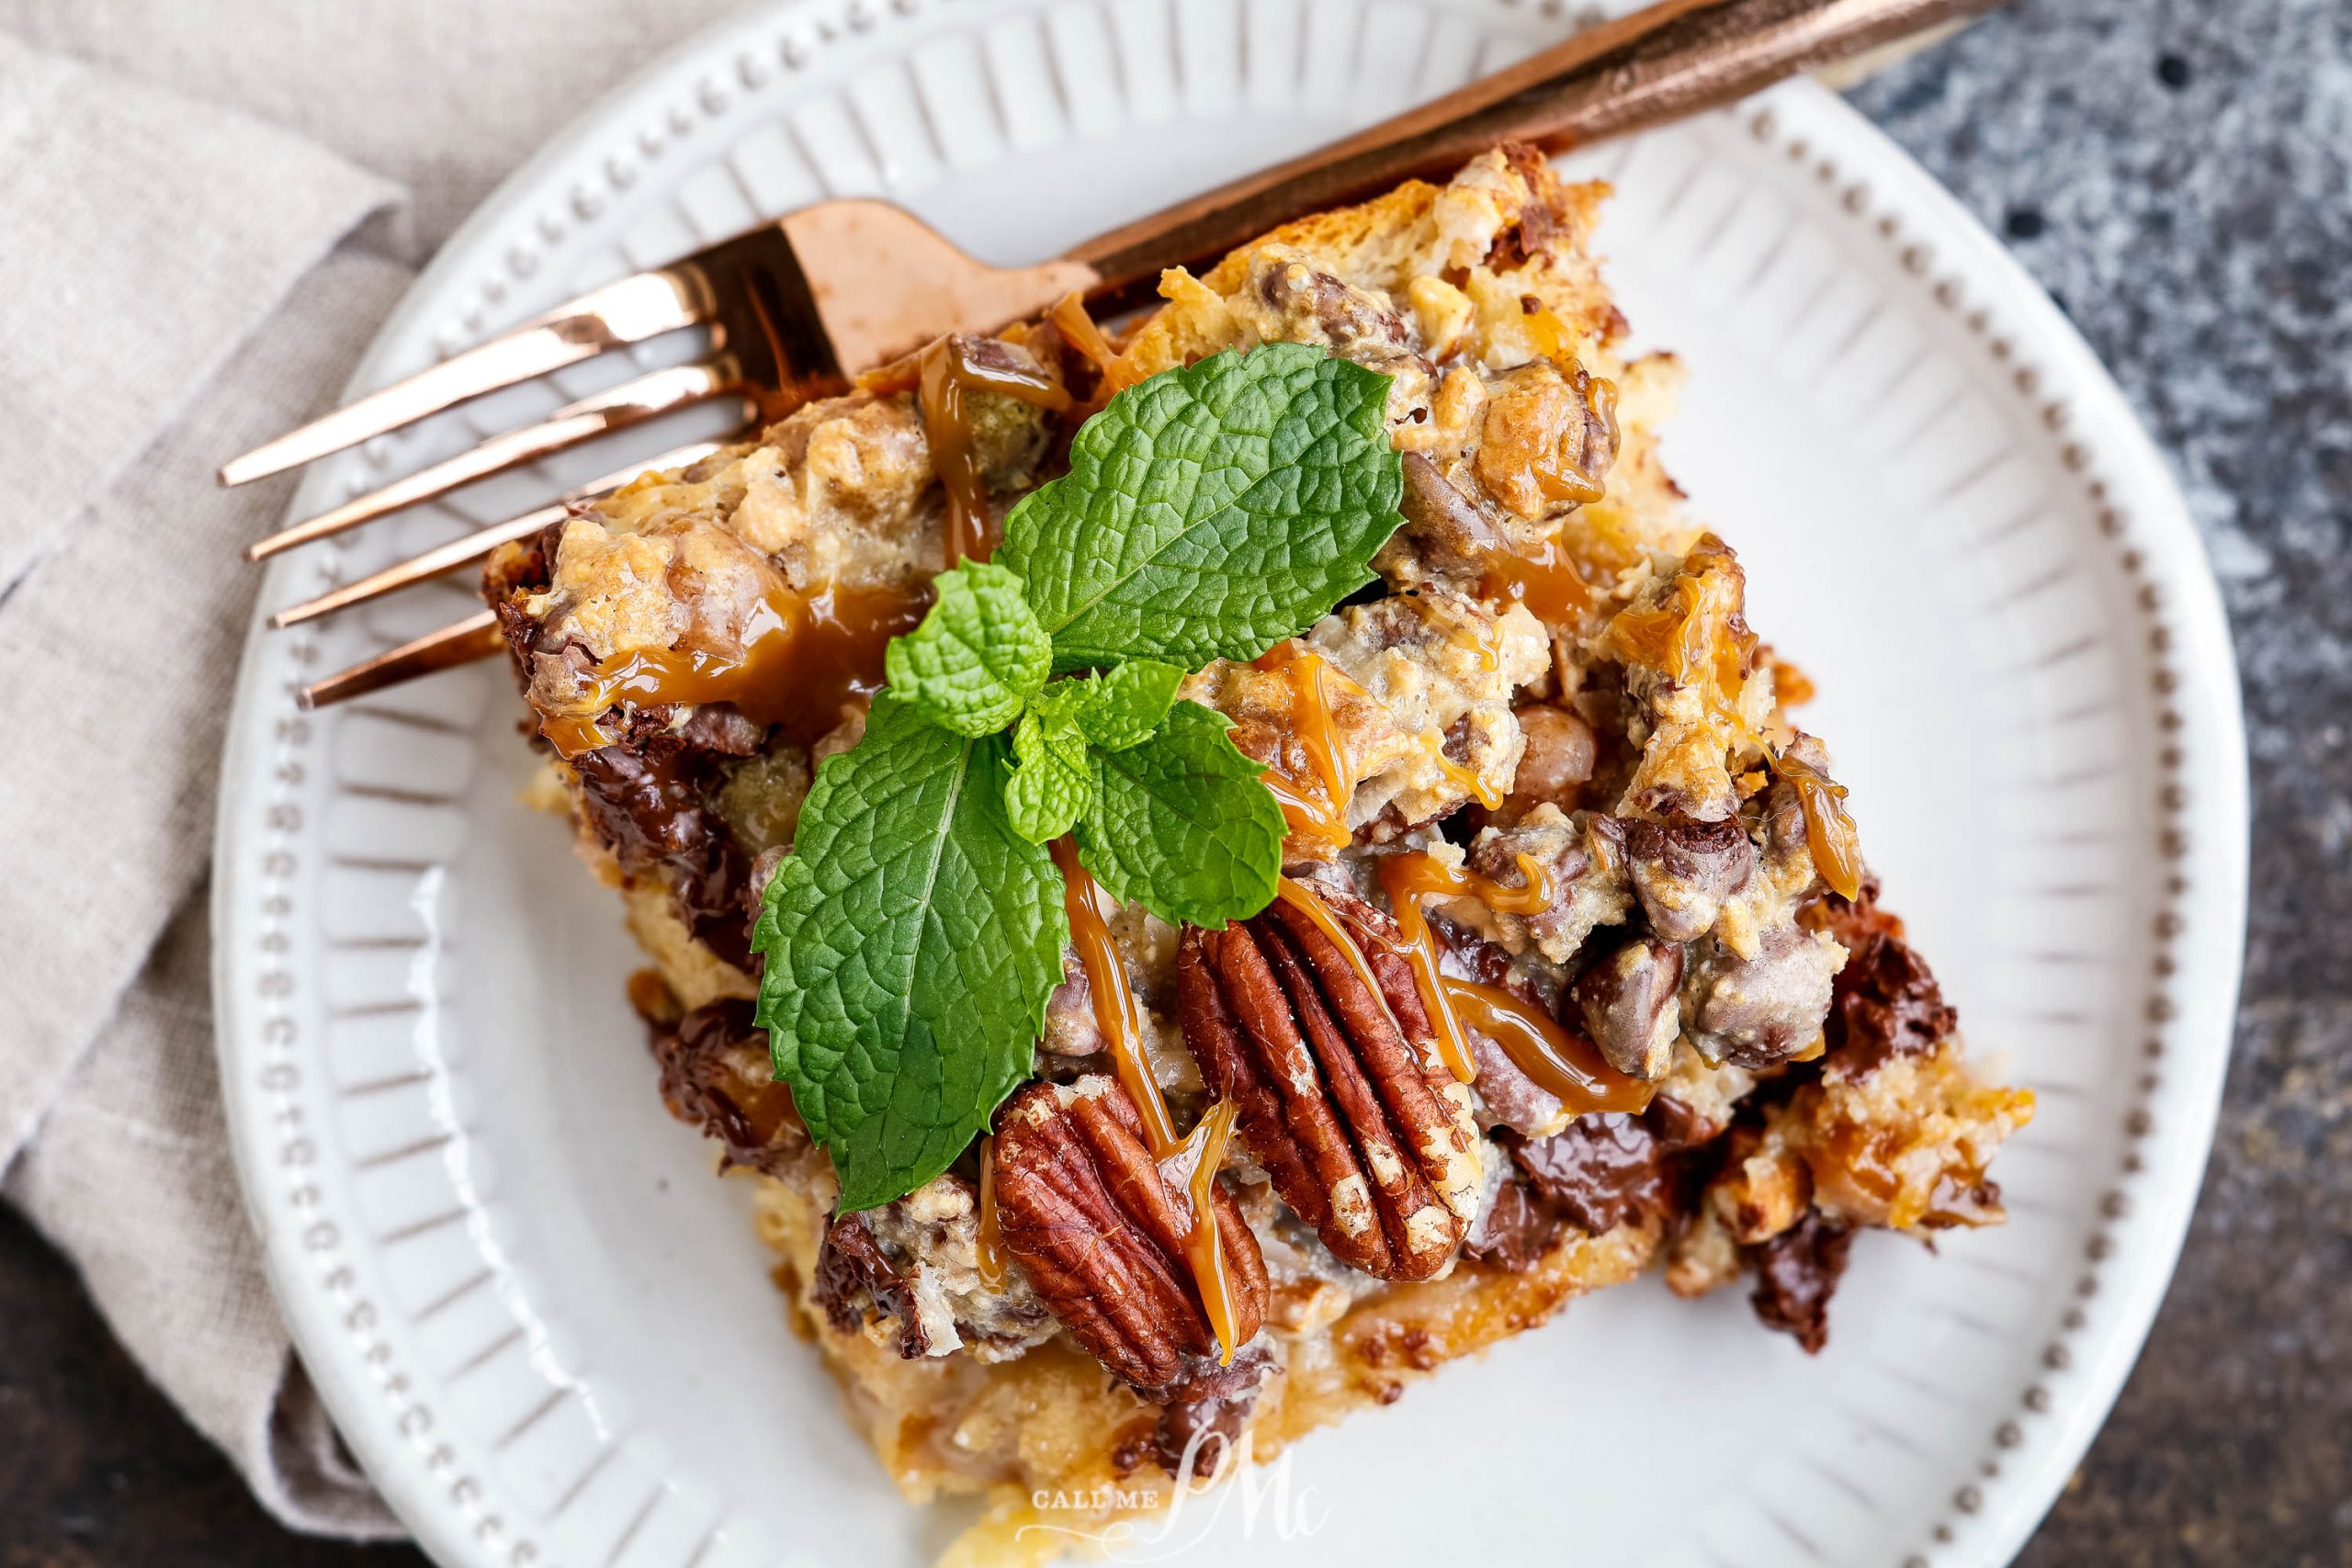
(647, 796)
(1517, 1229)
(1796, 1273)
(650, 810)
(855, 1281)
(1206, 1414)
(1628, 1002)
(1675, 1124)
(1886, 1002)
(716, 1074)
(1598, 1173)
(1684, 869)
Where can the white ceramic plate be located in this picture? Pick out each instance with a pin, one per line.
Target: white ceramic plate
(550, 1335)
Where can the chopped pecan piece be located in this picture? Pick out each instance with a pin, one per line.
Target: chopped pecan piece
(1364, 1132)
(1084, 1209)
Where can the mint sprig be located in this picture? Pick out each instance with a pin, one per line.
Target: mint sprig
(913, 935)
(1211, 511)
(911, 938)
(1183, 824)
(978, 655)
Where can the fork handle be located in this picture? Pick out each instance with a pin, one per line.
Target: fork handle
(1663, 63)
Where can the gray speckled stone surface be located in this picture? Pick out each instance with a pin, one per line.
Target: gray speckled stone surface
(2178, 173)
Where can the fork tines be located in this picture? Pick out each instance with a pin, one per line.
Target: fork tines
(791, 308)
(703, 290)
(476, 636)
(639, 307)
(473, 546)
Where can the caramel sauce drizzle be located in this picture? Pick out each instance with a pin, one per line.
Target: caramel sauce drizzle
(1829, 832)
(1203, 1242)
(1120, 1018)
(1317, 810)
(943, 376)
(1117, 1012)
(1079, 331)
(1545, 580)
(989, 1240)
(1698, 636)
(1564, 1066)
(1568, 1069)
(1552, 339)
(1409, 878)
(1464, 778)
(801, 659)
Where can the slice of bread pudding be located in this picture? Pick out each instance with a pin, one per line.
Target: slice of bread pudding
(1577, 970)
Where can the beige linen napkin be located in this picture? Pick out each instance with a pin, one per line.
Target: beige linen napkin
(180, 278)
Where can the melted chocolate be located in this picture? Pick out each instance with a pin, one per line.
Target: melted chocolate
(1519, 1229)
(1886, 1002)
(1796, 1273)
(715, 1076)
(1599, 1172)
(1208, 1408)
(650, 811)
(855, 1281)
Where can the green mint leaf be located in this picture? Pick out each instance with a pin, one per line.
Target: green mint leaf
(978, 655)
(1123, 706)
(1210, 510)
(911, 939)
(1052, 782)
(1183, 823)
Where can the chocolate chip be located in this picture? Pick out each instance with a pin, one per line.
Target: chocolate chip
(1627, 1001)
(1518, 1228)
(855, 1279)
(1684, 869)
(1600, 1171)
(1796, 1273)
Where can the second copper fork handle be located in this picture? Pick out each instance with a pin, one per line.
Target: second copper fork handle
(1664, 63)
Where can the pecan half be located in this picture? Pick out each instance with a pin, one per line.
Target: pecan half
(1364, 1132)
(1082, 1206)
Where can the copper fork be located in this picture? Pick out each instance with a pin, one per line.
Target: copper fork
(796, 306)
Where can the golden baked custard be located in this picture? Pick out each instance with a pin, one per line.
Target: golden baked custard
(1206, 874)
